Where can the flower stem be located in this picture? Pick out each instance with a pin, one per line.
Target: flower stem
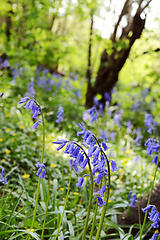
(94, 220)
(107, 198)
(90, 203)
(64, 205)
(38, 187)
(46, 207)
(144, 221)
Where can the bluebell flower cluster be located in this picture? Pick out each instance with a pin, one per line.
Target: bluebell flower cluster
(150, 123)
(41, 170)
(3, 180)
(93, 114)
(96, 156)
(152, 146)
(133, 199)
(154, 217)
(31, 90)
(35, 109)
(4, 64)
(139, 136)
(60, 114)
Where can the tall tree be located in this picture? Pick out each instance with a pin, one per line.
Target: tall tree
(112, 62)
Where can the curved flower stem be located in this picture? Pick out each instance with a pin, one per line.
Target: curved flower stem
(94, 220)
(91, 193)
(38, 187)
(104, 207)
(107, 195)
(64, 204)
(144, 221)
(90, 203)
(46, 207)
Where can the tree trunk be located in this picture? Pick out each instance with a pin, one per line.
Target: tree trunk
(111, 64)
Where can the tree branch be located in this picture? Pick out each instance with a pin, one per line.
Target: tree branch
(123, 12)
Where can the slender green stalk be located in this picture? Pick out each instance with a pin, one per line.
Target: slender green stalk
(64, 204)
(93, 223)
(38, 187)
(91, 193)
(94, 219)
(106, 199)
(152, 185)
(90, 203)
(46, 207)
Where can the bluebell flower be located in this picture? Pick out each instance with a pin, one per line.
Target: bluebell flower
(104, 145)
(103, 135)
(91, 150)
(101, 202)
(139, 136)
(135, 160)
(155, 160)
(60, 114)
(146, 208)
(153, 215)
(113, 135)
(154, 237)
(34, 107)
(23, 100)
(129, 126)
(80, 182)
(129, 195)
(35, 125)
(3, 180)
(41, 170)
(133, 199)
(107, 97)
(98, 178)
(102, 190)
(84, 163)
(113, 165)
(148, 120)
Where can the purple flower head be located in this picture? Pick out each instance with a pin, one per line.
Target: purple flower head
(2, 179)
(102, 190)
(135, 160)
(113, 165)
(155, 160)
(148, 120)
(41, 170)
(98, 178)
(35, 109)
(60, 141)
(43, 174)
(107, 97)
(60, 114)
(84, 163)
(91, 111)
(35, 125)
(129, 127)
(146, 208)
(154, 237)
(80, 182)
(101, 202)
(38, 165)
(133, 199)
(104, 135)
(129, 195)
(23, 100)
(104, 145)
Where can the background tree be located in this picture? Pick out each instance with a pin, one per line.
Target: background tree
(114, 56)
